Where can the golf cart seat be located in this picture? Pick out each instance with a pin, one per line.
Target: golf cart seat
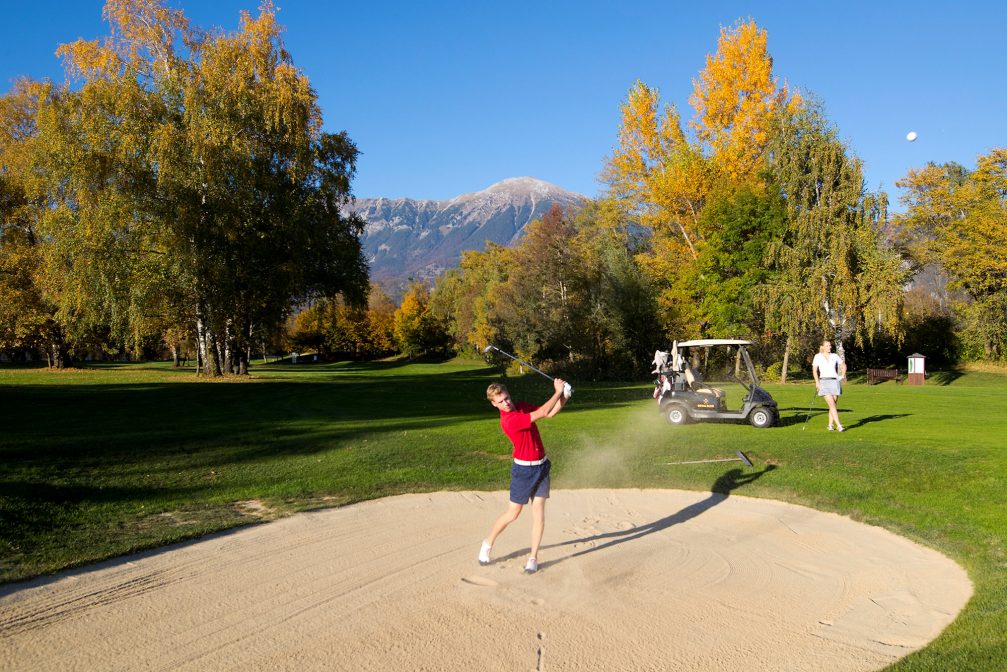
(695, 381)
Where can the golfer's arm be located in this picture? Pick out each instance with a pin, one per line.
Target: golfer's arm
(546, 409)
(558, 407)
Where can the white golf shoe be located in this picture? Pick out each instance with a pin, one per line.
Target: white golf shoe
(484, 554)
(531, 566)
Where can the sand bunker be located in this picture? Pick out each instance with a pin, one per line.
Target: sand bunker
(629, 580)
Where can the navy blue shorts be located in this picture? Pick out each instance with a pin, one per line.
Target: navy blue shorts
(528, 482)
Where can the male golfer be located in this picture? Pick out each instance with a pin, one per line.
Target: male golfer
(530, 471)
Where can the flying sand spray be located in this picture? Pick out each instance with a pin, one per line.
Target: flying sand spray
(568, 392)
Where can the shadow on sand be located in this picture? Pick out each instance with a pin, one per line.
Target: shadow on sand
(720, 491)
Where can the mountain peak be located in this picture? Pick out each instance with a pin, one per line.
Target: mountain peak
(524, 186)
(406, 238)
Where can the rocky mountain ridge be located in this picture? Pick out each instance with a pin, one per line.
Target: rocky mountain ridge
(407, 238)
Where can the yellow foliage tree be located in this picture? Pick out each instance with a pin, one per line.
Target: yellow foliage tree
(417, 329)
(381, 321)
(662, 179)
(466, 297)
(659, 177)
(188, 182)
(735, 98)
(959, 219)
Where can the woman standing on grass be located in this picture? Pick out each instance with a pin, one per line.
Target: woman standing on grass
(829, 371)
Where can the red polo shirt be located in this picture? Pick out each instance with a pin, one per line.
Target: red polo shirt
(522, 432)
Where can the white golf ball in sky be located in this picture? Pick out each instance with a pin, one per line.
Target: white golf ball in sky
(910, 136)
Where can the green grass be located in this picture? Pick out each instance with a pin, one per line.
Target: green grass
(115, 458)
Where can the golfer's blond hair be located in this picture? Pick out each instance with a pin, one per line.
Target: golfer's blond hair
(494, 389)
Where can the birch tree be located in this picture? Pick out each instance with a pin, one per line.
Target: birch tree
(833, 253)
(189, 181)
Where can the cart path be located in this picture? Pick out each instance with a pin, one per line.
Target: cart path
(629, 580)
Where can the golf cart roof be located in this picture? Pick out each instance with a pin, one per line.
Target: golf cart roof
(708, 342)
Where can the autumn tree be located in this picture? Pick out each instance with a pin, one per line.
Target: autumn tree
(188, 181)
(834, 253)
(569, 296)
(959, 220)
(417, 329)
(336, 327)
(660, 178)
(309, 328)
(664, 179)
(616, 318)
(466, 298)
(537, 305)
(28, 315)
(736, 97)
(380, 322)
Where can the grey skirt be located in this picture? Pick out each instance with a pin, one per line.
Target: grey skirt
(829, 386)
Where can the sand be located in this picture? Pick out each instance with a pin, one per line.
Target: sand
(629, 580)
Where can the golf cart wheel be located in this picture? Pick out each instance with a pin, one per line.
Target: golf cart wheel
(676, 414)
(761, 417)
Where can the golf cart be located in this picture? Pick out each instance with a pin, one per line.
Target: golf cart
(683, 396)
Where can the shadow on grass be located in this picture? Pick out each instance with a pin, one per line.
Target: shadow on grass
(877, 418)
(803, 415)
(720, 491)
(944, 377)
(28, 509)
(169, 417)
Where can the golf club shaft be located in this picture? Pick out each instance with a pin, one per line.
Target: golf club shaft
(741, 457)
(726, 459)
(810, 406)
(506, 354)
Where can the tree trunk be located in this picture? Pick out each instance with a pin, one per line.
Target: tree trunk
(786, 361)
(248, 350)
(228, 365)
(200, 341)
(206, 345)
(57, 355)
(213, 349)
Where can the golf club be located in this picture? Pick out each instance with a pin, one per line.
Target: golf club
(741, 457)
(810, 406)
(567, 390)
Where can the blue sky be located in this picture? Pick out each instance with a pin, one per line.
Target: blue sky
(444, 98)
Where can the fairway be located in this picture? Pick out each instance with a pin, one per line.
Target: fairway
(119, 458)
